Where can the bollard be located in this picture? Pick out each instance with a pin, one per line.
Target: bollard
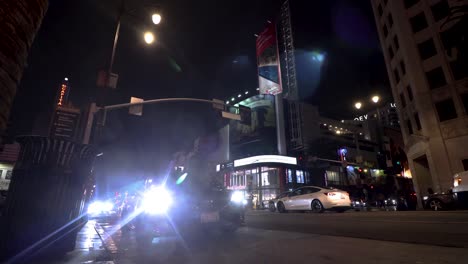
(45, 202)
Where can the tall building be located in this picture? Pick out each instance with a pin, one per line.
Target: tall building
(429, 84)
(20, 22)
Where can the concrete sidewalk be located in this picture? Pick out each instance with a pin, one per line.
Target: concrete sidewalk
(88, 249)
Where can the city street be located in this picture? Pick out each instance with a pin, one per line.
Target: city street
(352, 237)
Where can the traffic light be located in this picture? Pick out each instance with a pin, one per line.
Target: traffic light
(245, 114)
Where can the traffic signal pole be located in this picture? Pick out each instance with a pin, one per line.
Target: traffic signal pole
(93, 110)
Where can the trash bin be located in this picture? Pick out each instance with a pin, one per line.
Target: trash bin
(45, 204)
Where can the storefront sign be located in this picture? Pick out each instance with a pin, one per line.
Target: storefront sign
(265, 159)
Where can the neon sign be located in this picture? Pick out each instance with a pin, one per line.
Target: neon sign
(63, 91)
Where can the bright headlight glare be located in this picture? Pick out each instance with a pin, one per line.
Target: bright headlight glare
(237, 197)
(157, 201)
(425, 198)
(100, 207)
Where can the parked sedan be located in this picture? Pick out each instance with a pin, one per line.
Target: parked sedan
(439, 201)
(315, 199)
(272, 203)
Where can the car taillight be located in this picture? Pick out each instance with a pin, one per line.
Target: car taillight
(332, 194)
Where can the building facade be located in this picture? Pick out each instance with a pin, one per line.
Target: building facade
(429, 85)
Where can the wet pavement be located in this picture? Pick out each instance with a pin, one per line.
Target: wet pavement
(89, 249)
(270, 244)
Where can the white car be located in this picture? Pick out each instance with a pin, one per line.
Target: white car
(316, 199)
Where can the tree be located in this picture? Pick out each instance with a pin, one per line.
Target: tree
(19, 23)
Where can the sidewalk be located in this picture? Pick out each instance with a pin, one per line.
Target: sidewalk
(88, 249)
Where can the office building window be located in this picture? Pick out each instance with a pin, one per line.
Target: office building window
(436, 78)
(390, 20)
(410, 92)
(385, 30)
(380, 9)
(459, 69)
(390, 52)
(410, 127)
(440, 10)
(396, 43)
(333, 177)
(446, 110)
(465, 164)
(397, 75)
(403, 101)
(417, 121)
(403, 67)
(418, 22)
(464, 98)
(410, 3)
(427, 49)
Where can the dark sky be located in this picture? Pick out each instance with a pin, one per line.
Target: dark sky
(197, 43)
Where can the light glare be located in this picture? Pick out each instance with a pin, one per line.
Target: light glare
(375, 99)
(156, 18)
(358, 105)
(149, 37)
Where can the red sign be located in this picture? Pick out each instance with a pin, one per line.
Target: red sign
(269, 76)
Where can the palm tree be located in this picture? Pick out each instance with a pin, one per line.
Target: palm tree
(19, 23)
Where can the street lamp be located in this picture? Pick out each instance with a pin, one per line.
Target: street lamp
(375, 98)
(156, 18)
(149, 37)
(358, 105)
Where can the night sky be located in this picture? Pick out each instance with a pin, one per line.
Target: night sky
(204, 49)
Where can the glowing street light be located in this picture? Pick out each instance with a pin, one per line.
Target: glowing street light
(156, 18)
(358, 105)
(375, 98)
(149, 37)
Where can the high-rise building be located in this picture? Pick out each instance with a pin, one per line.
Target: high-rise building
(429, 84)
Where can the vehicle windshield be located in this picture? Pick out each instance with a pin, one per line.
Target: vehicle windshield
(233, 131)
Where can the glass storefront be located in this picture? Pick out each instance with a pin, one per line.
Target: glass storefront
(263, 183)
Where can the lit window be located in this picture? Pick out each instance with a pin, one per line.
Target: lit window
(299, 176)
(290, 176)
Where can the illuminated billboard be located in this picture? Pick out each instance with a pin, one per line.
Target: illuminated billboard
(268, 62)
(260, 136)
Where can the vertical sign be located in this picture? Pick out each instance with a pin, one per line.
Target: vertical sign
(62, 96)
(268, 61)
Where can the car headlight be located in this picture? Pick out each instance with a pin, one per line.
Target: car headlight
(156, 200)
(100, 207)
(393, 201)
(238, 197)
(425, 198)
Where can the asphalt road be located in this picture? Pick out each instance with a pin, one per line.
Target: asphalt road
(447, 228)
(354, 237)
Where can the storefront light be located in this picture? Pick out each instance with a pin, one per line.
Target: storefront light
(265, 159)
